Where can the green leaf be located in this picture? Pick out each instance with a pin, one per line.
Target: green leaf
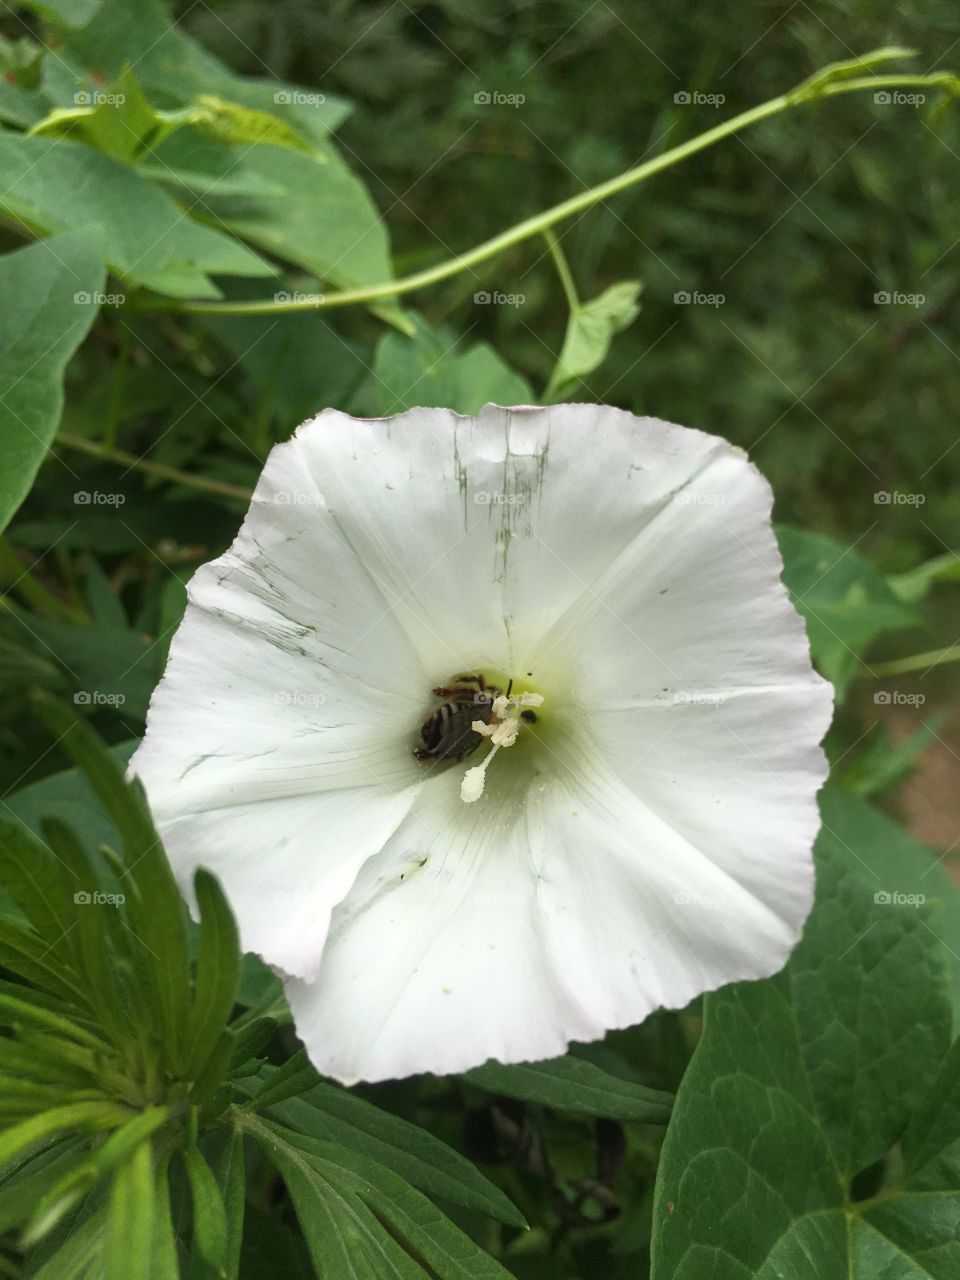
(575, 1085)
(323, 218)
(343, 1201)
(209, 1214)
(845, 601)
(122, 123)
(897, 866)
(155, 910)
(118, 1149)
(885, 763)
(78, 1255)
(229, 1172)
(23, 1007)
(37, 883)
(41, 325)
(86, 1117)
(67, 794)
(218, 972)
(430, 369)
(106, 661)
(94, 934)
(164, 1264)
(229, 122)
(130, 1222)
(334, 1115)
(591, 328)
(50, 184)
(176, 68)
(73, 13)
(801, 1083)
(22, 1189)
(295, 1076)
(252, 1040)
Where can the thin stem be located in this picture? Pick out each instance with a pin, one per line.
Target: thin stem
(130, 460)
(917, 661)
(563, 269)
(830, 82)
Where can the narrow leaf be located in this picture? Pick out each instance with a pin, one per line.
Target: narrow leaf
(575, 1085)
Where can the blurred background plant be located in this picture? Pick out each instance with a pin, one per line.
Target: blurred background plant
(793, 288)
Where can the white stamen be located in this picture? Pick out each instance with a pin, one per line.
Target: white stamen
(503, 733)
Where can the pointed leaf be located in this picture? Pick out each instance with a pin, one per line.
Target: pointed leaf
(41, 325)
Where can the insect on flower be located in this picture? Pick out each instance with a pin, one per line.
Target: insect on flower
(610, 810)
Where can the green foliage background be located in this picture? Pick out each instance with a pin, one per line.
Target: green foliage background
(158, 1118)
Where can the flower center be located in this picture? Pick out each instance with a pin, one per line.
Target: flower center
(508, 715)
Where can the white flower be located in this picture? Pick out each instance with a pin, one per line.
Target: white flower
(645, 828)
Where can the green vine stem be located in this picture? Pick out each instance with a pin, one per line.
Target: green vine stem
(835, 79)
(111, 454)
(917, 662)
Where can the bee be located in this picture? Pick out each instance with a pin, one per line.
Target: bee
(447, 733)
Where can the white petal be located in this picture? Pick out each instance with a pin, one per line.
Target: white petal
(508, 929)
(278, 746)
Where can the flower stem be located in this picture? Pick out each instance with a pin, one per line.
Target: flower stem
(130, 460)
(563, 269)
(838, 78)
(917, 661)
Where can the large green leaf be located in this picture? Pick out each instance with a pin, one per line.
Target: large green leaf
(50, 185)
(845, 601)
(436, 370)
(49, 292)
(322, 219)
(803, 1082)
